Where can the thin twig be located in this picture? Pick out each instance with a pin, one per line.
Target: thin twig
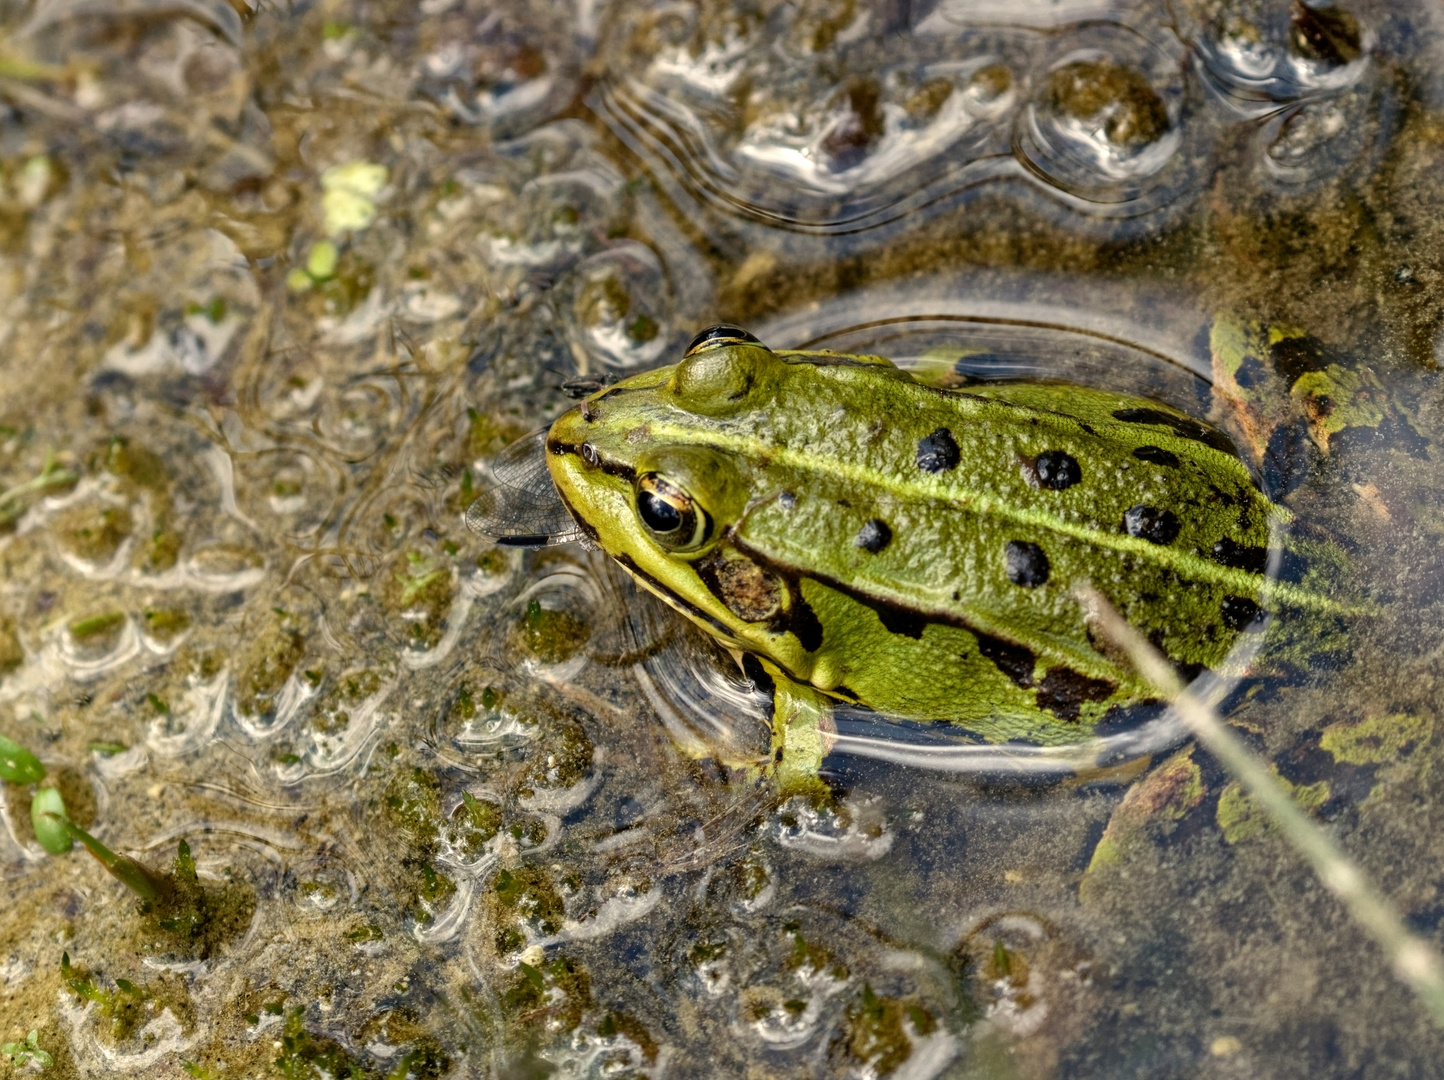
(1415, 961)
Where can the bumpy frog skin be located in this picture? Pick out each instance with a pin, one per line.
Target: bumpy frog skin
(912, 548)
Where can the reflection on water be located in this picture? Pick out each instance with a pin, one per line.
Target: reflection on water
(279, 283)
(864, 120)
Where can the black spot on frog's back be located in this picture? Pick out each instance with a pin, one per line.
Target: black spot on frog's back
(938, 452)
(1239, 612)
(1156, 455)
(873, 536)
(1182, 426)
(1151, 524)
(1014, 661)
(1026, 564)
(1229, 552)
(901, 621)
(1063, 692)
(1057, 470)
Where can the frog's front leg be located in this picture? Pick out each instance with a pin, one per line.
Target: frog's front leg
(802, 729)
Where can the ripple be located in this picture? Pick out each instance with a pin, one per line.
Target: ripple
(621, 315)
(191, 721)
(1300, 148)
(1255, 60)
(288, 492)
(850, 834)
(218, 15)
(359, 415)
(450, 921)
(158, 1041)
(751, 122)
(87, 658)
(1105, 123)
(509, 70)
(323, 884)
(223, 568)
(343, 722)
(1026, 972)
(479, 718)
(708, 707)
(555, 192)
(287, 703)
(818, 136)
(554, 618)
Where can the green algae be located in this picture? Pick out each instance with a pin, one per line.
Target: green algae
(564, 761)
(305, 1055)
(270, 658)
(877, 1030)
(1375, 740)
(12, 653)
(473, 825)
(558, 992)
(94, 531)
(419, 589)
(1241, 820)
(413, 805)
(525, 904)
(125, 1006)
(551, 636)
(166, 624)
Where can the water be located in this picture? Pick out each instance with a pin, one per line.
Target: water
(279, 281)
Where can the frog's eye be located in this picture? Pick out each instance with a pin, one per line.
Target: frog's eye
(714, 337)
(670, 515)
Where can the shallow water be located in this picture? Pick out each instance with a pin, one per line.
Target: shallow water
(277, 283)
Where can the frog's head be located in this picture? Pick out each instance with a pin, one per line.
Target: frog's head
(657, 471)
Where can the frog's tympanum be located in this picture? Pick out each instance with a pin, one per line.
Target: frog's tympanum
(912, 547)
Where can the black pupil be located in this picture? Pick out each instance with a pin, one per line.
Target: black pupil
(657, 514)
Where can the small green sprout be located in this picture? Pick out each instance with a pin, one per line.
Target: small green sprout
(94, 625)
(132, 873)
(22, 1053)
(51, 477)
(18, 765)
(48, 817)
(122, 1006)
(420, 574)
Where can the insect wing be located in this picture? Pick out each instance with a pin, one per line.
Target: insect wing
(522, 508)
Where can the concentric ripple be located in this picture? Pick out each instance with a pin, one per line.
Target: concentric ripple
(846, 126)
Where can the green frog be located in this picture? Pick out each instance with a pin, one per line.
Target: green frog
(892, 539)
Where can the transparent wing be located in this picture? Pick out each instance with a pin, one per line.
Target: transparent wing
(522, 508)
(523, 464)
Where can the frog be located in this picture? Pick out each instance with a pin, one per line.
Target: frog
(902, 542)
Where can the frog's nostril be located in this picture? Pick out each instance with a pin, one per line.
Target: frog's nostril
(590, 455)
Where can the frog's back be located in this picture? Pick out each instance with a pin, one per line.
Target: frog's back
(915, 548)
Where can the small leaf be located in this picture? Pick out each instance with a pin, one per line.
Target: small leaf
(185, 865)
(18, 765)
